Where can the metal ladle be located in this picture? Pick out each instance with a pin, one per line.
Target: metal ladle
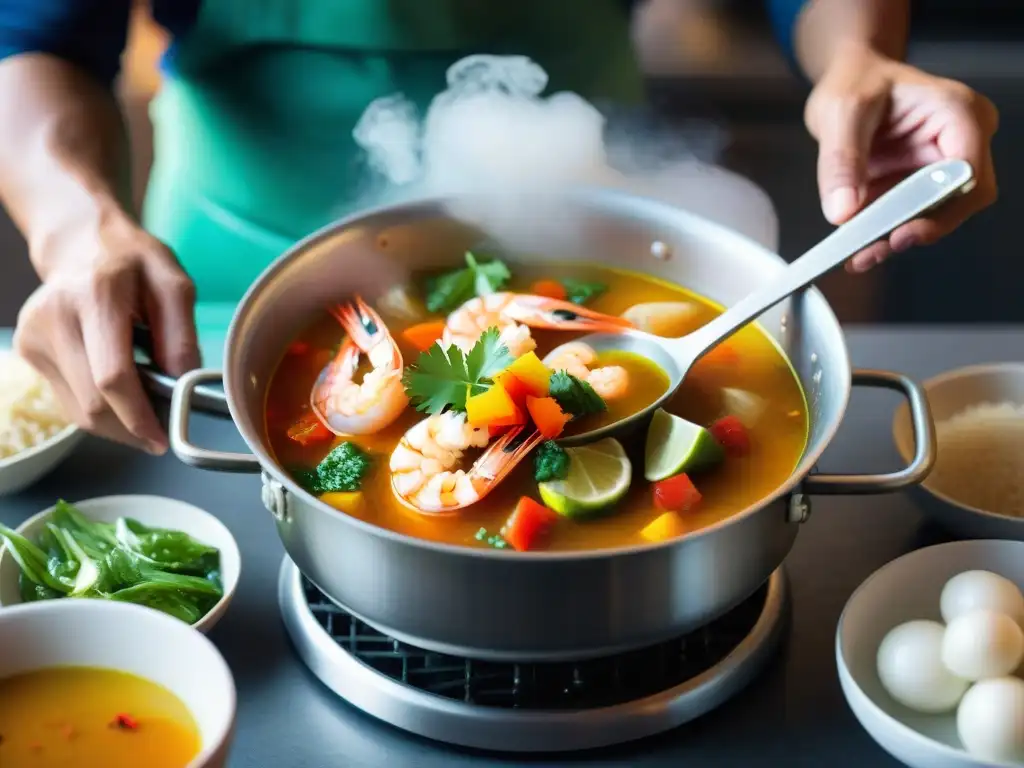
(918, 193)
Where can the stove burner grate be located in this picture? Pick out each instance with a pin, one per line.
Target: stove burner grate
(600, 682)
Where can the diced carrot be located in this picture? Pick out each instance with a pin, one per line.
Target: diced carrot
(664, 527)
(731, 435)
(550, 288)
(309, 430)
(547, 415)
(493, 406)
(527, 523)
(532, 373)
(515, 387)
(676, 494)
(424, 335)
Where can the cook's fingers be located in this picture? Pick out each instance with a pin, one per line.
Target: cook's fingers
(170, 297)
(70, 358)
(107, 334)
(871, 256)
(845, 130)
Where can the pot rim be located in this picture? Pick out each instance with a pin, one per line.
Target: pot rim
(618, 198)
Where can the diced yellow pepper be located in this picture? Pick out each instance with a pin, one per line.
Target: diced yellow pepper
(494, 405)
(533, 373)
(350, 502)
(664, 527)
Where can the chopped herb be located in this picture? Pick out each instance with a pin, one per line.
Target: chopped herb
(341, 470)
(446, 292)
(581, 291)
(442, 379)
(551, 462)
(495, 541)
(574, 395)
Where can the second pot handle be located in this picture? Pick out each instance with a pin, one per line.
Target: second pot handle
(924, 444)
(177, 430)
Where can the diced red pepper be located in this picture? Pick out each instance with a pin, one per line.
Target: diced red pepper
(309, 430)
(547, 415)
(731, 435)
(424, 335)
(549, 288)
(527, 524)
(676, 494)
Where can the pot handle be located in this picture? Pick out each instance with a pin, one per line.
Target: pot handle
(177, 429)
(206, 399)
(924, 444)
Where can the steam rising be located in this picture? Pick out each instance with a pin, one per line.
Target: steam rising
(493, 131)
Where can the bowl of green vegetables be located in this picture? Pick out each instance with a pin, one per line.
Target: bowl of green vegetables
(149, 550)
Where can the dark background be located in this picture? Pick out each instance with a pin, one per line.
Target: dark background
(716, 60)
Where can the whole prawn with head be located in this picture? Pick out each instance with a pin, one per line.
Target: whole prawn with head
(424, 474)
(514, 314)
(348, 407)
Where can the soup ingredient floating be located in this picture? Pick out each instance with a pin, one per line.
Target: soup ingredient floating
(599, 477)
(127, 561)
(967, 665)
(86, 716)
(676, 445)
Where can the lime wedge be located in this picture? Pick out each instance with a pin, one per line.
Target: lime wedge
(676, 445)
(598, 478)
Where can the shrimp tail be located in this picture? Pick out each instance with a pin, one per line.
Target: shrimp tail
(553, 314)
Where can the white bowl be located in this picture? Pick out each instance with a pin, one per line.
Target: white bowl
(949, 394)
(153, 511)
(127, 638)
(908, 588)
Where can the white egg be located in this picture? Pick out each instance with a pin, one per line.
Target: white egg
(982, 644)
(910, 667)
(990, 720)
(981, 591)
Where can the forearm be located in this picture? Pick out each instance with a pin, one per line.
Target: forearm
(827, 27)
(64, 157)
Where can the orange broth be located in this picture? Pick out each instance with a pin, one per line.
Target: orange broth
(750, 360)
(64, 716)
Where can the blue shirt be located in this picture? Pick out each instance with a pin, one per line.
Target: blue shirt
(93, 33)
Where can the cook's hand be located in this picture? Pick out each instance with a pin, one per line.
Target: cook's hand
(876, 121)
(76, 329)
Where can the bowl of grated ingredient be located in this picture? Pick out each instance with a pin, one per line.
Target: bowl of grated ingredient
(976, 488)
(35, 436)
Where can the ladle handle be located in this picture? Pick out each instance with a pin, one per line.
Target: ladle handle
(920, 192)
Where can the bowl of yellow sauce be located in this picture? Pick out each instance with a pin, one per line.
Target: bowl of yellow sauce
(95, 682)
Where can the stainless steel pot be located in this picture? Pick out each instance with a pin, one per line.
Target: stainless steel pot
(492, 604)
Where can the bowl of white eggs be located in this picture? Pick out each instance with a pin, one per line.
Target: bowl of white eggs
(930, 652)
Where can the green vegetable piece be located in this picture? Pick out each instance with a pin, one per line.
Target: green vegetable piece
(496, 541)
(581, 291)
(449, 291)
(171, 550)
(443, 379)
(550, 462)
(575, 396)
(342, 469)
(32, 560)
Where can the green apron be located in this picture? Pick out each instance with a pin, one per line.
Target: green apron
(253, 130)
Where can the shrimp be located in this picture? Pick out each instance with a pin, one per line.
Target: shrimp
(513, 314)
(576, 359)
(349, 408)
(423, 474)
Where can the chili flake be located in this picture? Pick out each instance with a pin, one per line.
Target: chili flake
(124, 722)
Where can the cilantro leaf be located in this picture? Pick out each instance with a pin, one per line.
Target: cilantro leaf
(581, 291)
(444, 378)
(574, 395)
(550, 462)
(478, 278)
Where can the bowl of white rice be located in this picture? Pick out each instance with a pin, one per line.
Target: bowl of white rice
(976, 488)
(35, 436)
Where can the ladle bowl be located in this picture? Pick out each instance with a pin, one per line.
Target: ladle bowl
(922, 191)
